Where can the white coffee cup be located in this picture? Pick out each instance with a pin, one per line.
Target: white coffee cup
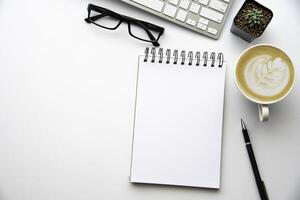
(261, 71)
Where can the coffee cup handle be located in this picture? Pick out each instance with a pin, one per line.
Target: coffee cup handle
(264, 112)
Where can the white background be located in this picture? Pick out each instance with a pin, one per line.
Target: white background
(67, 98)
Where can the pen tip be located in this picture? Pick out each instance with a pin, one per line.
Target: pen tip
(243, 124)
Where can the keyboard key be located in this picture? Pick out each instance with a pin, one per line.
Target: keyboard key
(218, 5)
(174, 2)
(184, 4)
(212, 30)
(202, 26)
(195, 8)
(181, 15)
(191, 22)
(156, 5)
(203, 21)
(197, 15)
(170, 10)
(211, 14)
(204, 2)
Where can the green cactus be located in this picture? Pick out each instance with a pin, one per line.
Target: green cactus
(254, 17)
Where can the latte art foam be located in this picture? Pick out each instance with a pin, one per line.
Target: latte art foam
(266, 75)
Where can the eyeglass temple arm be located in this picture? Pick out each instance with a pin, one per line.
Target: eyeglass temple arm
(94, 18)
(153, 39)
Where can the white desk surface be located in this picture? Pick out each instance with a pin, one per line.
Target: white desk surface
(67, 97)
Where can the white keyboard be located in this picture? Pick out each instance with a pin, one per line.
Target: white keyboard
(203, 16)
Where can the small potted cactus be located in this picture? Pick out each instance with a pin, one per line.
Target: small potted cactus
(251, 20)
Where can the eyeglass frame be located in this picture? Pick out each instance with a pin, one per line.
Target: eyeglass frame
(103, 12)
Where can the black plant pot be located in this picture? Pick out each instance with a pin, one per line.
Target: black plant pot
(243, 33)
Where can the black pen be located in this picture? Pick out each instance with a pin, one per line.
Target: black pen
(259, 182)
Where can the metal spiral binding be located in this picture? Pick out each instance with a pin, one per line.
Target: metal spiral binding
(153, 52)
(206, 57)
(190, 55)
(182, 57)
(161, 54)
(221, 59)
(168, 53)
(146, 54)
(213, 59)
(198, 58)
(175, 54)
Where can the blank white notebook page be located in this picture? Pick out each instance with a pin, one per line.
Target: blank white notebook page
(178, 124)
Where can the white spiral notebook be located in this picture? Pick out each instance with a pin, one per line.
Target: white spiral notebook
(178, 118)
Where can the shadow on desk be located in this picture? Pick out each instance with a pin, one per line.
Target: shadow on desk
(159, 187)
(296, 196)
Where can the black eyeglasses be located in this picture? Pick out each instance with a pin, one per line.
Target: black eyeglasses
(110, 20)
